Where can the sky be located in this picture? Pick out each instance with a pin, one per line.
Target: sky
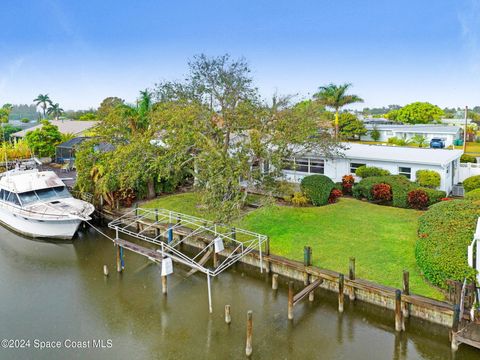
(393, 52)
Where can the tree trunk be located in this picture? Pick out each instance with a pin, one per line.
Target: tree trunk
(336, 124)
(150, 189)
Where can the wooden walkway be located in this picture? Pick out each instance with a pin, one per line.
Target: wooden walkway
(469, 335)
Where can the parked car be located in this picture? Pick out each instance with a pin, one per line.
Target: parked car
(437, 143)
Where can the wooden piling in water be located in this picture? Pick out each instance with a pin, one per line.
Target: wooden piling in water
(351, 276)
(399, 325)
(137, 223)
(215, 259)
(406, 291)
(248, 347)
(455, 325)
(164, 284)
(290, 301)
(307, 261)
(228, 317)
(267, 252)
(341, 280)
(275, 282)
(118, 257)
(105, 270)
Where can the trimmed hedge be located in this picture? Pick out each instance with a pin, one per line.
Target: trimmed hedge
(428, 178)
(369, 171)
(317, 188)
(465, 158)
(400, 185)
(444, 233)
(471, 183)
(473, 195)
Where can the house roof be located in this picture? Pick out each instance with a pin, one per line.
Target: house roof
(436, 129)
(74, 127)
(72, 142)
(400, 154)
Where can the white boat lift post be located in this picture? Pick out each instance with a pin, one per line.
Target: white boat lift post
(218, 237)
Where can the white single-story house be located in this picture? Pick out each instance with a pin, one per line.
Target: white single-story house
(448, 133)
(74, 127)
(398, 160)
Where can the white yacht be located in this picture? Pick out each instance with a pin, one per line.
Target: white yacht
(38, 204)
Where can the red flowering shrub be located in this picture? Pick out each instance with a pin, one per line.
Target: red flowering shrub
(382, 192)
(334, 195)
(418, 199)
(347, 184)
(446, 199)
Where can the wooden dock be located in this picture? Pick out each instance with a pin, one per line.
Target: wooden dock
(469, 335)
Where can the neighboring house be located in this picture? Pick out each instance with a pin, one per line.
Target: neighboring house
(66, 150)
(77, 128)
(457, 122)
(446, 132)
(398, 160)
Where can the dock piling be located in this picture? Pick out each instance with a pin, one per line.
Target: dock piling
(406, 291)
(341, 280)
(164, 284)
(351, 276)
(399, 325)
(228, 317)
(248, 347)
(118, 256)
(105, 270)
(275, 282)
(455, 324)
(290, 301)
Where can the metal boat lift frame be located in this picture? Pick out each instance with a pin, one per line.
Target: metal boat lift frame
(164, 222)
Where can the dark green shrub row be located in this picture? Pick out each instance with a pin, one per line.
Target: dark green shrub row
(473, 195)
(444, 233)
(471, 183)
(317, 188)
(369, 171)
(468, 159)
(400, 185)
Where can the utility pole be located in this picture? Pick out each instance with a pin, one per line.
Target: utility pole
(465, 131)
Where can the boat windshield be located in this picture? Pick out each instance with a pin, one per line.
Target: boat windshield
(30, 197)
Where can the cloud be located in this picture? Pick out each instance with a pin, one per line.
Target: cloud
(469, 19)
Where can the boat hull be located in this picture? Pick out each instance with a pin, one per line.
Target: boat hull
(52, 229)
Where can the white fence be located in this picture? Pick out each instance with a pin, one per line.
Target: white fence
(468, 169)
(474, 251)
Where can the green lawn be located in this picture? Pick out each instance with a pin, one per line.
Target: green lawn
(382, 239)
(472, 148)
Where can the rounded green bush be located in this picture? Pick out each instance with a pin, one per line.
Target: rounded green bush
(317, 188)
(471, 183)
(473, 195)
(428, 178)
(369, 171)
(444, 233)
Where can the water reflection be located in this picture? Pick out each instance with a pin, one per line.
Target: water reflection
(58, 291)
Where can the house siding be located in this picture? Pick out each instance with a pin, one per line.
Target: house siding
(337, 168)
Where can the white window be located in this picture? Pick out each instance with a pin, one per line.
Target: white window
(317, 166)
(389, 133)
(405, 171)
(355, 166)
(301, 165)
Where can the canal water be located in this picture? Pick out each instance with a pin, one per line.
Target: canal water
(56, 294)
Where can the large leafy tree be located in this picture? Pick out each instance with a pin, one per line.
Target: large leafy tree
(350, 127)
(43, 100)
(55, 111)
(216, 124)
(107, 105)
(336, 97)
(42, 141)
(419, 113)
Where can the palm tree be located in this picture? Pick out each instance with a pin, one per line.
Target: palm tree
(55, 110)
(420, 140)
(334, 96)
(43, 101)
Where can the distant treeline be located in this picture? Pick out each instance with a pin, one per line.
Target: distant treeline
(24, 112)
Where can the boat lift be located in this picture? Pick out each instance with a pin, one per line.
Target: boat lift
(169, 230)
